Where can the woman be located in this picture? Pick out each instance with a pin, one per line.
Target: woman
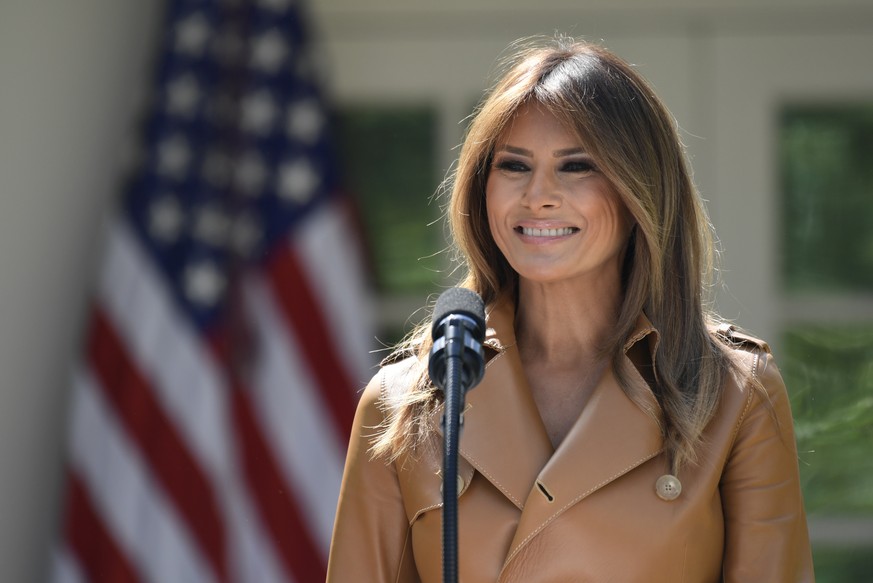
(619, 433)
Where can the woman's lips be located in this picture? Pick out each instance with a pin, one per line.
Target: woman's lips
(546, 232)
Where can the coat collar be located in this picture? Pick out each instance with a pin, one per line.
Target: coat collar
(504, 438)
(500, 332)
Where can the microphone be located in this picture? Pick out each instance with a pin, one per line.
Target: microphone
(457, 362)
(458, 332)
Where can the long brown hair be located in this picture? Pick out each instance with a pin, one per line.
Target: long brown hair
(635, 143)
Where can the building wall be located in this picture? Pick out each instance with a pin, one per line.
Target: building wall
(74, 75)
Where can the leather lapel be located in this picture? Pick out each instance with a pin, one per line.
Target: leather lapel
(504, 437)
(611, 437)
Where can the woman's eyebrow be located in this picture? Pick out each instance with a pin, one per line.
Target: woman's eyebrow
(515, 150)
(568, 152)
(557, 153)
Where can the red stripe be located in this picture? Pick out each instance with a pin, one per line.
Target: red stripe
(273, 498)
(98, 555)
(304, 316)
(169, 458)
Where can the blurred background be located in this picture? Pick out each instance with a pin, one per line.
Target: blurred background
(212, 213)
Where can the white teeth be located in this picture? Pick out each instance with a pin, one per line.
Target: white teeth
(532, 232)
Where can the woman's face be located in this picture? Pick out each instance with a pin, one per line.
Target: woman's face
(552, 213)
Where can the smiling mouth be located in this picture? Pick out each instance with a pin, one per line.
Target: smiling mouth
(533, 232)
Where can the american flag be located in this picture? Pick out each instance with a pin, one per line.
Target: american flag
(229, 333)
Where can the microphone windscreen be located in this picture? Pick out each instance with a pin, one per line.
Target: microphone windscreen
(459, 300)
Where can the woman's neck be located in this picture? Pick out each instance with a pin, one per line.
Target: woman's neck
(563, 323)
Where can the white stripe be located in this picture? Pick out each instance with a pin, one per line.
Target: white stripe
(127, 499)
(331, 258)
(167, 350)
(285, 399)
(65, 568)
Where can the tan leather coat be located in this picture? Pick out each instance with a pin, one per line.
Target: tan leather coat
(588, 511)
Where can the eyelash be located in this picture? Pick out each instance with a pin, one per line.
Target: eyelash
(579, 166)
(511, 166)
(570, 166)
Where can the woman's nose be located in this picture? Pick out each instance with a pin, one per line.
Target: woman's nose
(543, 190)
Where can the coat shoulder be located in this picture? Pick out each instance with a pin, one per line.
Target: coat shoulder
(398, 378)
(386, 390)
(750, 356)
(735, 338)
(753, 382)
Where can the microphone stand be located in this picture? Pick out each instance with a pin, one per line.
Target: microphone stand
(456, 365)
(454, 399)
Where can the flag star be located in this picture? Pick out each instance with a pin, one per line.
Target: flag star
(174, 156)
(166, 219)
(246, 235)
(204, 284)
(250, 174)
(269, 51)
(192, 34)
(304, 121)
(258, 112)
(216, 168)
(275, 5)
(211, 225)
(298, 181)
(183, 96)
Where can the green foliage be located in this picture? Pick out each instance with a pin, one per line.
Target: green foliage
(852, 565)
(829, 373)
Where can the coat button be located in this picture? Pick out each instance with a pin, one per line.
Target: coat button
(668, 487)
(460, 485)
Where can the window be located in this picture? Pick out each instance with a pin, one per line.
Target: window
(389, 162)
(827, 174)
(826, 157)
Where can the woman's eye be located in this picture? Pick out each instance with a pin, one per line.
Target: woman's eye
(578, 166)
(511, 166)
